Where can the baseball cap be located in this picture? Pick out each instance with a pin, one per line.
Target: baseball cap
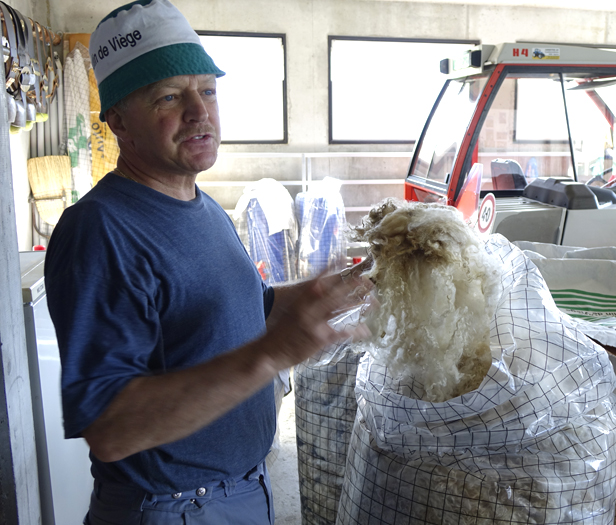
(141, 43)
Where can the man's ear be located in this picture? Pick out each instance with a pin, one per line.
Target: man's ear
(115, 121)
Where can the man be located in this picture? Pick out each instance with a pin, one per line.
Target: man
(159, 312)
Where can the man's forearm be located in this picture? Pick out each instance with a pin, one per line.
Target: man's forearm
(151, 411)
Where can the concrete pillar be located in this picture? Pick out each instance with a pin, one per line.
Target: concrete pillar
(19, 493)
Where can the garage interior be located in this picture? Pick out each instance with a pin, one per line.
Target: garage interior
(369, 171)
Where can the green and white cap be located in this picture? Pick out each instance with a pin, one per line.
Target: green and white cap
(141, 43)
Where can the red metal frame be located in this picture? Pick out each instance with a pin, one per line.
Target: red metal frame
(456, 172)
(609, 117)
(409, 192)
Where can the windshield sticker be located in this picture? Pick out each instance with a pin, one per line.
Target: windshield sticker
(546, 53)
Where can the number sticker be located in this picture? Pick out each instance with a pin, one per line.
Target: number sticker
(486, 213)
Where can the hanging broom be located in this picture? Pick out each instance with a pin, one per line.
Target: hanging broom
(50, 181)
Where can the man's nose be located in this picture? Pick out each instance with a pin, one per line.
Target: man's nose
(196, 109)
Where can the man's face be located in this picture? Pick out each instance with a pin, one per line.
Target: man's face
(172, 127)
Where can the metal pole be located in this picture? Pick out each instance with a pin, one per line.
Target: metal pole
(304, 170)
(562, 86)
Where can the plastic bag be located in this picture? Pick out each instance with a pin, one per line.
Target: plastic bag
(322, 241)
(533, 444)
(265, 221)
(438, 289)
(581, 280)
(282, 387)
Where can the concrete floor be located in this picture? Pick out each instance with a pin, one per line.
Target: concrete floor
(283, 474)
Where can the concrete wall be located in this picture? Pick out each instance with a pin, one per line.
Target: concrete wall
(307, 24)
(20, 146)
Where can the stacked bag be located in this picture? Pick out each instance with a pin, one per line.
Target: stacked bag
(325, 403)
(325, 409)
(287, 239)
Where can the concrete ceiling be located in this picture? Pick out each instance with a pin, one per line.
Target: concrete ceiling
(592, 5)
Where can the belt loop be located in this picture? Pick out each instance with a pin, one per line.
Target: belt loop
(229, 485)
(149, 500)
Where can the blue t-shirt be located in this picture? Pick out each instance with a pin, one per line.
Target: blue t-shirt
(139, 283)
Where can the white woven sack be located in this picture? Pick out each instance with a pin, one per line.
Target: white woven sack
(533, 444)
(325, 409)
(581, 281)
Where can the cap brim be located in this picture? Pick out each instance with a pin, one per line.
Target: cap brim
(161, 63)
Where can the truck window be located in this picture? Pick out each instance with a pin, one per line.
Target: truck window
(591, 114)
(524, 135)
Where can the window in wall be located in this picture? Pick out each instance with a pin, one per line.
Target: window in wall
(252, 94)
(382, 90)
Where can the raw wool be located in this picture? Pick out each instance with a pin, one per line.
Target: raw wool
(325, 408)
(438, 290)
(534, 444)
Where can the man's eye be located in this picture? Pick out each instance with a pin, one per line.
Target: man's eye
(209, 92)
(168, 98)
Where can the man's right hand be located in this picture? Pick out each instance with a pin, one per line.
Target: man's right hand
(300, 327)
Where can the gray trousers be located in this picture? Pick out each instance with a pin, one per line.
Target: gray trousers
(246, 500)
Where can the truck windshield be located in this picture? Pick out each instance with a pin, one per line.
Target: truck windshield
(446, 129)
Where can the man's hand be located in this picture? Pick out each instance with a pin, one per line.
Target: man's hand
(285, 294)
(298, 325)
(301, 326)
